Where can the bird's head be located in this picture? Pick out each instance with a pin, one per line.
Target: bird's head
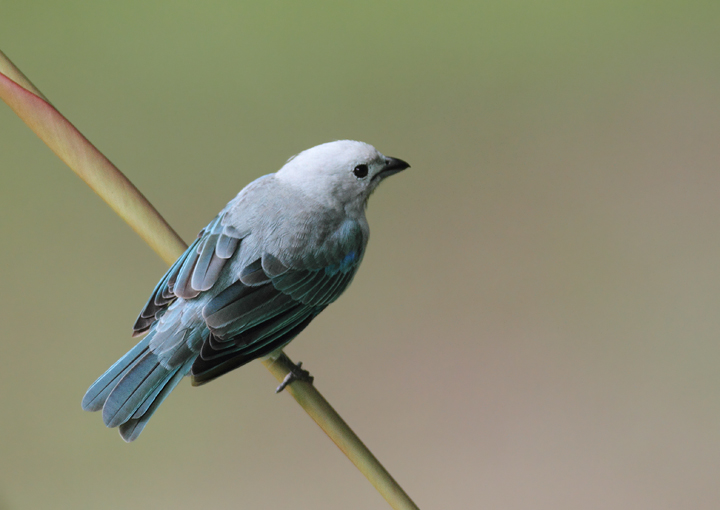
(344, 172)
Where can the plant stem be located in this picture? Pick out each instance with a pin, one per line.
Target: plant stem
(341, 434)
(88, 163)
(127, 201)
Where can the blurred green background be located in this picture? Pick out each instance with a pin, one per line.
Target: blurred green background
(536, 322)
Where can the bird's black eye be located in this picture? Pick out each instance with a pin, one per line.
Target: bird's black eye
(360, 171)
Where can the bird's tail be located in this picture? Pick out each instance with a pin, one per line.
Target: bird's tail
(133, 388)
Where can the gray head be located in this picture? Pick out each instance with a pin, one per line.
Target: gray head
(343, 173)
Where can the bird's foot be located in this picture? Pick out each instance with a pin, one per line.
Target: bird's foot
(296, 374)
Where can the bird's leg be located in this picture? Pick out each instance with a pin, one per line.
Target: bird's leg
(296, 373)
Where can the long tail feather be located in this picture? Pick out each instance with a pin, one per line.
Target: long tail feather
(131, 429)
(98, 392)
(135, 386)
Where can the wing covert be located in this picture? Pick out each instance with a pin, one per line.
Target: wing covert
(195, 271)
(265, 309)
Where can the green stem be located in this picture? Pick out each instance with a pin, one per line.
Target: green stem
(127, 201)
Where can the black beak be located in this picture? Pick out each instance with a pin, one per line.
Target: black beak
(393, 166)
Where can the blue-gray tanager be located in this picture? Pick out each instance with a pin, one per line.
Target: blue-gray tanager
(281, 251)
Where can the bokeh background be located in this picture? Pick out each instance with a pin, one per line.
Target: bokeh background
(536, 323)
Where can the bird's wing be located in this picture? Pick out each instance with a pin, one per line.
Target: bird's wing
(267, 307)
(195, 271)
(294, 266)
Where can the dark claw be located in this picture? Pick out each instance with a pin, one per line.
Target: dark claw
(296, 374)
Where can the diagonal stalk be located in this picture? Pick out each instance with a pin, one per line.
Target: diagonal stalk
(127, 201)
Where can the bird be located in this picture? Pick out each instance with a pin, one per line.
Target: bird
(281, 251)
